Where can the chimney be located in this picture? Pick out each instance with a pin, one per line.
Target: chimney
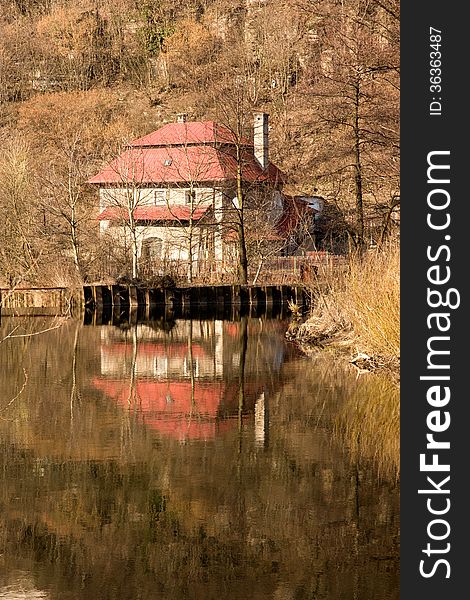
(261, 138)
(181, 117)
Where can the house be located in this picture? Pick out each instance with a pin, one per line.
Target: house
(172, 194)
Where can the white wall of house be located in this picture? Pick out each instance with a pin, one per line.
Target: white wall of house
(175, 240)
(218, 215)
(124, 196)
(153, 196)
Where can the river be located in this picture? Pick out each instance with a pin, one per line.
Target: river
(190, 459)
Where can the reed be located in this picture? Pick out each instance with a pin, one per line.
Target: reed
(371, 300)
(361, 304)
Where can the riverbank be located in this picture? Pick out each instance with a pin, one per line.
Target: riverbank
(357, 314)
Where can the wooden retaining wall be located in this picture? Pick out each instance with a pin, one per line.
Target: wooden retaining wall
(193, 297)
(119, 304)
(182, 300)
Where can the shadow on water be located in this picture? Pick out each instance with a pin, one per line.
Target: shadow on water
(175, 458)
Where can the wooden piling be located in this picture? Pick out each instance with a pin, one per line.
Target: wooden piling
(120, 296)
(133, 299)
(157, 297)
(202, 298)
(268, 294)
(107, 295)
(141, 295)
(88, 295)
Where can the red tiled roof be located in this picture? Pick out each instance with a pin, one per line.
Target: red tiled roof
(153, 213)
(176, 165)
(194, 132)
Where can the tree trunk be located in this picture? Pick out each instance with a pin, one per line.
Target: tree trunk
(395, 201)
(134, 249)
(242, 255)
(135, 266)
(131, 206)
(241, 376)
(258, 271)
(74, 242)
(190, 236)
(358, 171)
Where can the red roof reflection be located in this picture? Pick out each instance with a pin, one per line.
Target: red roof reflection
(172, 408)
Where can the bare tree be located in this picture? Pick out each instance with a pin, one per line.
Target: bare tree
(355, 90)
(64, 202)
(20, 243)
(235, 108)
(192, 169)
(121, 202)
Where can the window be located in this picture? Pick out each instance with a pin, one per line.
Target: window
(189, 196)
(277, 199)
(160, 196)
(152, 248)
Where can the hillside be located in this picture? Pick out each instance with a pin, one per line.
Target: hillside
(79, 79)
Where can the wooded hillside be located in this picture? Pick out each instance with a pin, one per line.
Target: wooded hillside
(78, 79)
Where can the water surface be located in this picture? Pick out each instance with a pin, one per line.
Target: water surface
(187, 459)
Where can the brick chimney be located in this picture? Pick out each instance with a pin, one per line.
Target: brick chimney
(261, 138)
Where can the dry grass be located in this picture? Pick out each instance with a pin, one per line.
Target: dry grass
(362, 305)
(371, 302)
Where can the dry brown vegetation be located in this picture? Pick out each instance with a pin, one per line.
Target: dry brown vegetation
(360, 309)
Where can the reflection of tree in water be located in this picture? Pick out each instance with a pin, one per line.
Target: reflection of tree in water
(162, 324)
(241, 376)
(75, 395)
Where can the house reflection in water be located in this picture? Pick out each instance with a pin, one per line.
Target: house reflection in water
(197, 380)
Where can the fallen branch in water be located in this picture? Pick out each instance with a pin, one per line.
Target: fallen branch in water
(18, 394)
(12, 333)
